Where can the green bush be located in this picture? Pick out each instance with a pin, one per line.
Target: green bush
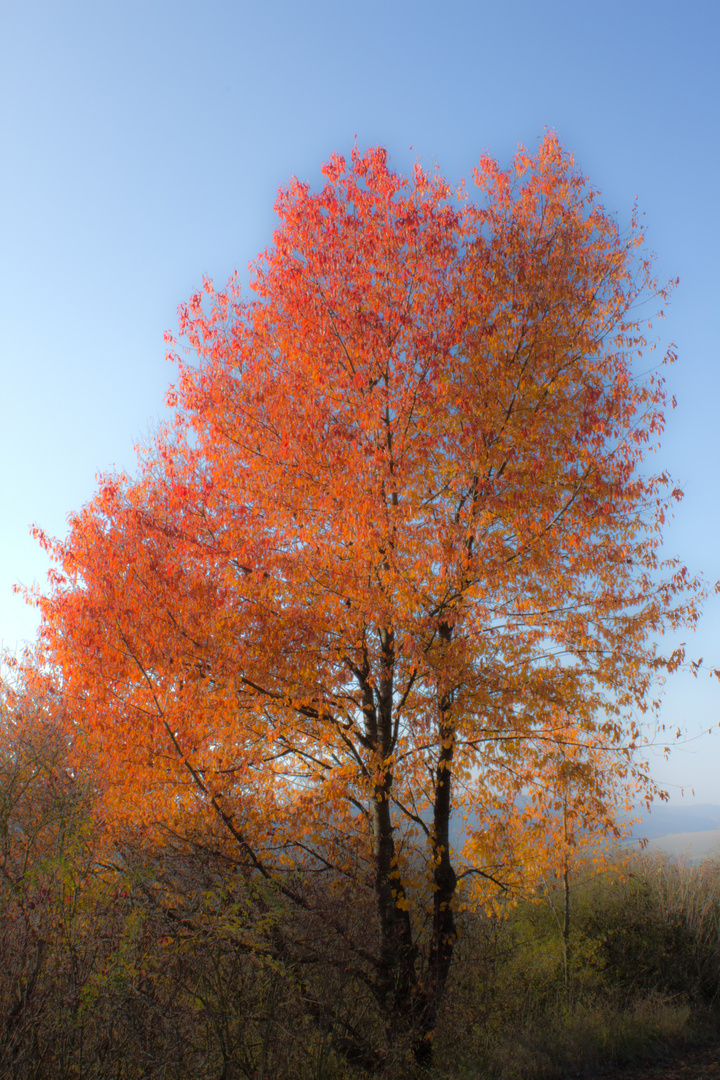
(639, 977)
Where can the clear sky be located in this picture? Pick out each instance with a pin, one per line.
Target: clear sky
(141, 146)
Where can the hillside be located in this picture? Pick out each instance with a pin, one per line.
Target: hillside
(665, 819)
(689, 831)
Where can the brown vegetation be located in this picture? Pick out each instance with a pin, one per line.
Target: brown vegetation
(166, 961)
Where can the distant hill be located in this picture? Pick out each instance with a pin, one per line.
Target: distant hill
(665, 820)
(693, 831)
(692, 846)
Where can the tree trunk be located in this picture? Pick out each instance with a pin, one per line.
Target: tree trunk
(444, 929)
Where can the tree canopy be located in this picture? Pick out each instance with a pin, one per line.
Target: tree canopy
(395, 559)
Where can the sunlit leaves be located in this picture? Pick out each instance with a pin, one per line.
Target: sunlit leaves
(397, 554)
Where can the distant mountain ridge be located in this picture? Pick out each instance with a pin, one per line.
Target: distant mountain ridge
(667, 827)
(665, 819)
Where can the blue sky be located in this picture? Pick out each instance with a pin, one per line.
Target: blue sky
(142, 147)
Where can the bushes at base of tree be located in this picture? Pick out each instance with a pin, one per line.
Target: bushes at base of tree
(167, 967)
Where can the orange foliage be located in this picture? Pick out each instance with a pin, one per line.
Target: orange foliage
(396, 549)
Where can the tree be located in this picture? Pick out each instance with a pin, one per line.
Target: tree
(394, 554)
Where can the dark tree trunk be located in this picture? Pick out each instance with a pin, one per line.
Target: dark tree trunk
(444, 929)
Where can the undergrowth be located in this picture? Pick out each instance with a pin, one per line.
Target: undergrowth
(637, 976)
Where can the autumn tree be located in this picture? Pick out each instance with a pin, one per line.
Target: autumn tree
(396, 550)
